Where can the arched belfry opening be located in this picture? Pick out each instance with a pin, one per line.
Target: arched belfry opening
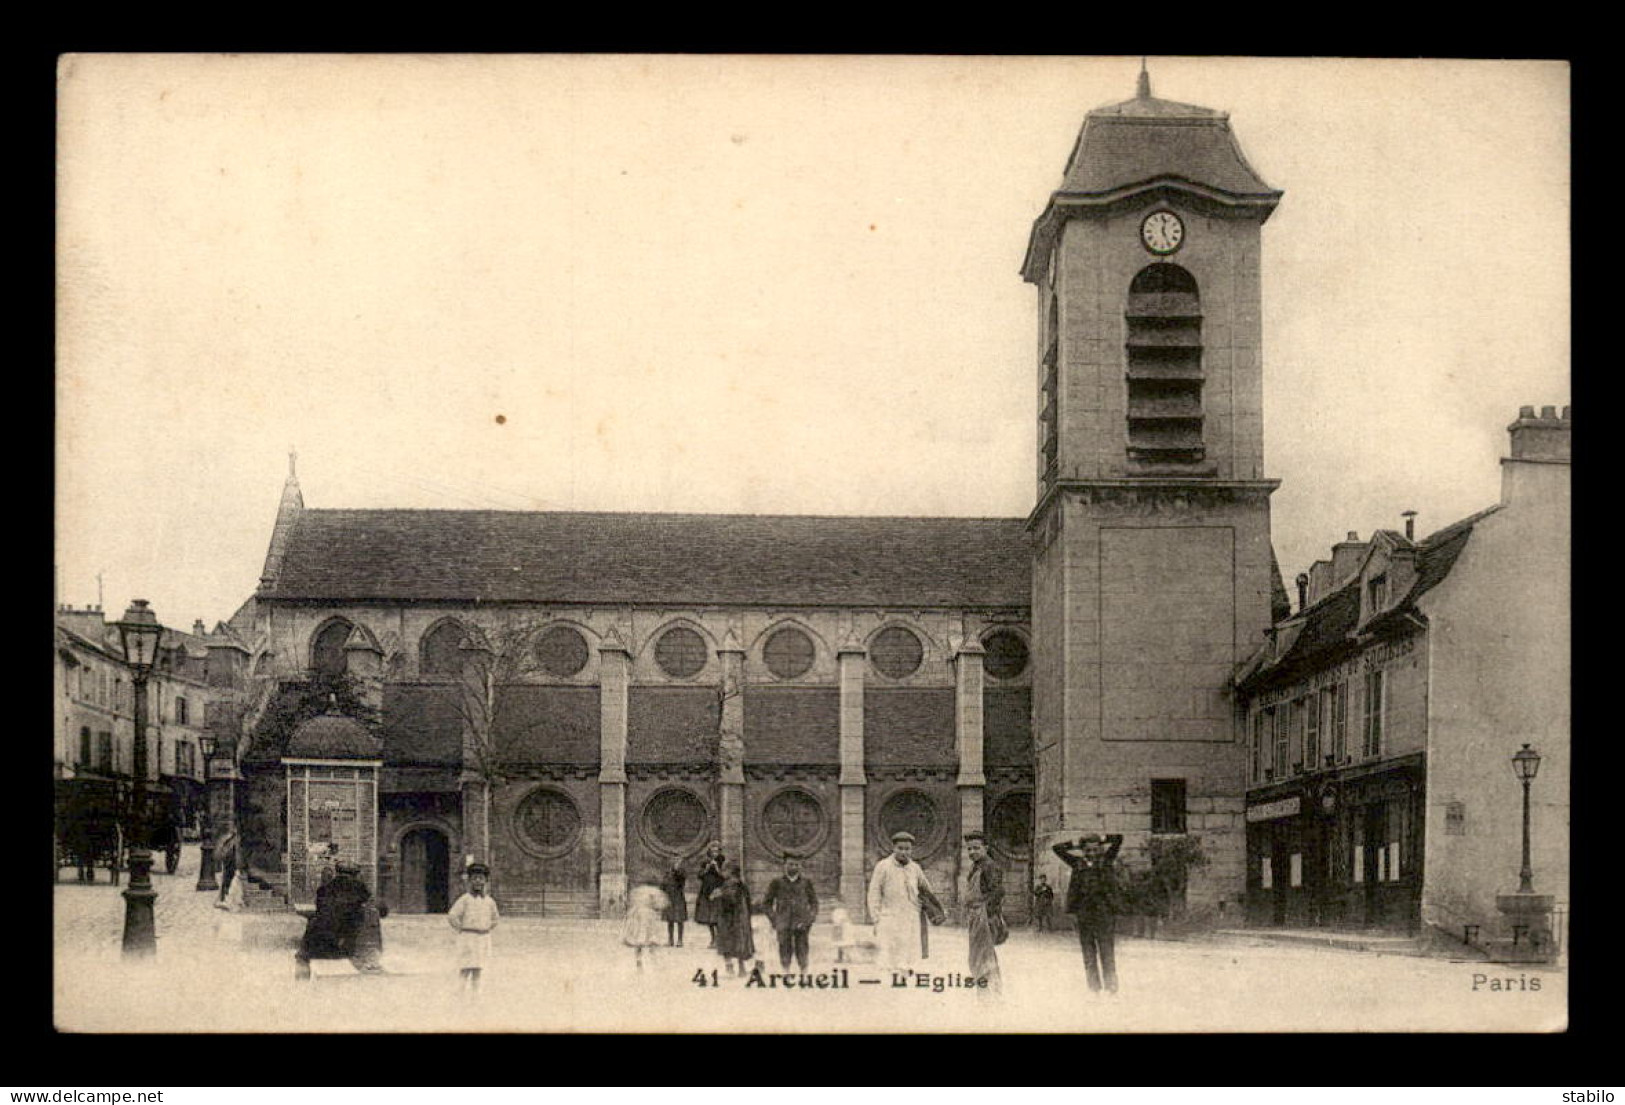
(1164, 315)
(1049, 411)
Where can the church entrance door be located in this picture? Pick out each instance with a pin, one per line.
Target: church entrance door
(425, 871)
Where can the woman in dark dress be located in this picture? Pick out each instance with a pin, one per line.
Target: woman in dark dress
(340, 916)
(676, 912)
(732, 901)
(711, 877)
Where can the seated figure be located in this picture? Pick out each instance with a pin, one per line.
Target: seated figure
(344, 925)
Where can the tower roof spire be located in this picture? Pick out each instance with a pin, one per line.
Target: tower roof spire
(287, 515)
(1143, 90)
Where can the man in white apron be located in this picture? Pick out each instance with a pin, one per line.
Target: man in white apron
(894, 904)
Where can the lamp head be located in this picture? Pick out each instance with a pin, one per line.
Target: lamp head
(1526, 762)
(139, 633)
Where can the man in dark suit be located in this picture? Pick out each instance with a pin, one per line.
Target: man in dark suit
(792, 905)
(1091, 898)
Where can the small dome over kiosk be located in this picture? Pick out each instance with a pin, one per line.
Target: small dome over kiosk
(333, 736)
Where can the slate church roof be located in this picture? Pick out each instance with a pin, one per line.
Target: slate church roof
(779, 560)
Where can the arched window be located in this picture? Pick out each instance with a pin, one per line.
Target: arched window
(441, 651)
(327, 647)
(1049, 419)
(1164, 366)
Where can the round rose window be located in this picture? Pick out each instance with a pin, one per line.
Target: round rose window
(675, 821)
(547, 822)
(680, 653)
(896, 652)
(793, 820)
(561, 651)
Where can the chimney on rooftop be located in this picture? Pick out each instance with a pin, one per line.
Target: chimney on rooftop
(1542, 437)
(1346, 557)
(1410, 524)
(1320, 580)
(1303, 590)
(1540, 454)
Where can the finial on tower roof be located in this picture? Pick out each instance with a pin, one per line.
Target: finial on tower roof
(1144, 90)
(293, 461)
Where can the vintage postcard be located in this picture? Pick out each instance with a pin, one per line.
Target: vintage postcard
(811, 544)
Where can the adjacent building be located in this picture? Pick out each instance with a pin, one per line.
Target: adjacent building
(94, 744)
(1382, 716)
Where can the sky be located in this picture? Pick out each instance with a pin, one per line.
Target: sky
(737, 284)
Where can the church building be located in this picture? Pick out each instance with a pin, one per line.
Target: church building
(585, 699)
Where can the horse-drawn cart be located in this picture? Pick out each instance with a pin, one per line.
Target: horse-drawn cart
(96, 826)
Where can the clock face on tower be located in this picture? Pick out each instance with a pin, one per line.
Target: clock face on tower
(1162, 232)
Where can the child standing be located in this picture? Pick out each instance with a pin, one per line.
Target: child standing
(474, 915)
(762, 935)
(642, 929)
(1043, 902)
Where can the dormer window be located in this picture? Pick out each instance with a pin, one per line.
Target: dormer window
(1376, 594)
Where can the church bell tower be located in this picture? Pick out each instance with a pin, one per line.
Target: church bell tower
(1152, 569)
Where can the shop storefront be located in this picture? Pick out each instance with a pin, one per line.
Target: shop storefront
(1338, 848)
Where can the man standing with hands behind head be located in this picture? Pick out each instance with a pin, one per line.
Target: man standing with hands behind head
(894, 903)
(1091, 898)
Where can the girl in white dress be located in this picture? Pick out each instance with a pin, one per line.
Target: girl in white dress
(643, 921)
(474, 915)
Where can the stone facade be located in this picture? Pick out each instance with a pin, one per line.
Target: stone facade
(577, 816)
(1153, 574)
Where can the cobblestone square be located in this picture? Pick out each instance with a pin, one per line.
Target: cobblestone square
(551, 975)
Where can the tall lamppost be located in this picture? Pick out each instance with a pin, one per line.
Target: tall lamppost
(139, 633)
(1529, 914)
(207, 744)
(1525, 763)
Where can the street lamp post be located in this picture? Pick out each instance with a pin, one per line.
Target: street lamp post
(1526, 762)
(139, 633)
(1529, 914)
(207, 743)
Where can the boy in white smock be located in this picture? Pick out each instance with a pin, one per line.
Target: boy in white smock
(474, 915)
